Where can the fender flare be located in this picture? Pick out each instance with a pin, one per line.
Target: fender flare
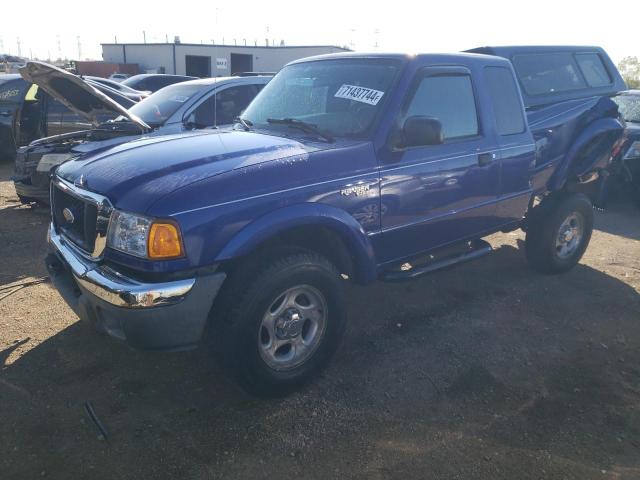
(570, 164)
(311, 214)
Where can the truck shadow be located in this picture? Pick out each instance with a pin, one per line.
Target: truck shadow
(23, 231)
(488, 350)
(620, 218)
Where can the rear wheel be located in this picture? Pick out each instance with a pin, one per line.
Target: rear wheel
(285, 325)
(559, 233)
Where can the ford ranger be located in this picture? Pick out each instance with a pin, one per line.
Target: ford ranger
(346, 167)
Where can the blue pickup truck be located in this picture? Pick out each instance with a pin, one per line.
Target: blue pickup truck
(345, 167)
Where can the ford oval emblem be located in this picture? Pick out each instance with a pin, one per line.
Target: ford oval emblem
(68, 215)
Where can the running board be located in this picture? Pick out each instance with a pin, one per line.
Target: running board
(408, 271)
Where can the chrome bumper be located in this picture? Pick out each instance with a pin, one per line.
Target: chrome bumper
(113, 287)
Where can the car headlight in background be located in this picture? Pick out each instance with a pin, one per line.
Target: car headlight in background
(144, 237)
(633, 151)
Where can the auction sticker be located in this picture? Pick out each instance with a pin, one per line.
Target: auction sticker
(359, 94)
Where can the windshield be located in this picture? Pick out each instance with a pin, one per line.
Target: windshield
(340, 97)
(629, 106)
(158, 107)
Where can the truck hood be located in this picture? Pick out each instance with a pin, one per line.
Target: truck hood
(135, 174)
(76, 94)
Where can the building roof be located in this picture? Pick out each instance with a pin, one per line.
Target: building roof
(226, 45)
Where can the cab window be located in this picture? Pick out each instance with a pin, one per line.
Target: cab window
(593, 69)
(448, 98)
(543, 73)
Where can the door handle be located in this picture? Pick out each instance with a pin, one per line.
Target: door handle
(485, 159)
(5, 113)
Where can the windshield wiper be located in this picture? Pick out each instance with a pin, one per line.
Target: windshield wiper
(304, 126)
(246, 124)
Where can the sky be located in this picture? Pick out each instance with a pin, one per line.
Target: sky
(75, 29)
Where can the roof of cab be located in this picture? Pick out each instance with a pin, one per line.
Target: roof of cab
(469, 57)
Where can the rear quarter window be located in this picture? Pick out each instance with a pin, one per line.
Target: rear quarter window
(505, 99)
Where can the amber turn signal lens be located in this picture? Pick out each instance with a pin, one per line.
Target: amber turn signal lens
(164, 241)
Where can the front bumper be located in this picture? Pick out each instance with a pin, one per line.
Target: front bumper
(28, 191)
(158, 316)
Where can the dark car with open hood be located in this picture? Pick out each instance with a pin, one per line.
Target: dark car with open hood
(30, 110)
(192, 105)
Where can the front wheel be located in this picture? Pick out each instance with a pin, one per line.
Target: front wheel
(559, 233)
(286, 324)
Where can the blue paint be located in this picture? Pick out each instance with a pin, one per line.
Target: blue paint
(231, 190)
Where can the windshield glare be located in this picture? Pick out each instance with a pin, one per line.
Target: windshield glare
(340, 97)
(629, 106)
(158, 107)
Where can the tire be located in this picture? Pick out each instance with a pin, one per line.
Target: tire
(559, 233)
(272, 338)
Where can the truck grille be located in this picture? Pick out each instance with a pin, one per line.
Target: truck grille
(76, 218)
(81, 216)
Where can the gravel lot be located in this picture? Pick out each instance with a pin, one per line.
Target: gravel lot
(485, 371)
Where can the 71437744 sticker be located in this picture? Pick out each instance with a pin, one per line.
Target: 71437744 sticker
(359, 94)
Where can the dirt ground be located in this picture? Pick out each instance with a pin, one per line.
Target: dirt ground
(485, 371)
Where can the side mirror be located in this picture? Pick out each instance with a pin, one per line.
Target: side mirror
(420, 130)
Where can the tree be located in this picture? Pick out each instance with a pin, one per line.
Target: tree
(630, 70)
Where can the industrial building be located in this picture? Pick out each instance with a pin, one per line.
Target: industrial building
(208, 60)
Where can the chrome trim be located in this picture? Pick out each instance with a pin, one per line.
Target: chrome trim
(114, 287)
(104, 210)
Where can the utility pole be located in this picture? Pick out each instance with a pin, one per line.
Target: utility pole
(79, 48)
(59, 47)
(144, 37)
(19, 51)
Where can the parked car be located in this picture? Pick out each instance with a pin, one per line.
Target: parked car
(628, 160)
(10, 63)
(28, 112)
(129, 92)
(119, 77)
(191, 105)
(153, 82)
(254, 231)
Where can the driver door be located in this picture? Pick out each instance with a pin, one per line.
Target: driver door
(438, 194)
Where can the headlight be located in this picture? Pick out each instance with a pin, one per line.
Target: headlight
(143, 236)
(633, 152)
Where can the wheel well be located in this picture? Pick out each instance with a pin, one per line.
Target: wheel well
(316, 238)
